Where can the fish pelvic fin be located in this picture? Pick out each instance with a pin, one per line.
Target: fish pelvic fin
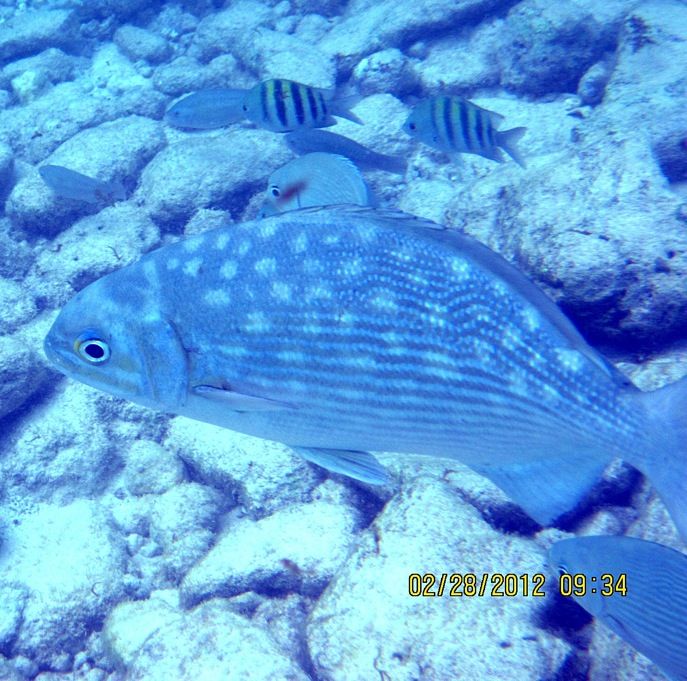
(666, 463)
(508, 139)
(355, 464)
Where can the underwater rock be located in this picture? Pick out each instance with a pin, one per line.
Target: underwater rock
(547, 48)
(592, 85)
(270, 555)
(138, 43)
(361, 621)
(286, 620)
(19, 377)
(215, 171)
(371, 25)
(91, 247)
(6, 169)
(231, 29)
(111, 151)
(70, 562)
(33, 31)
(53, 65)
(385, 72)
(186, 74)
(33, 130)
(653, 42)
(16, 255)
(16, 307)
(62, 452)
(591, 225)
(271, 54)
(210, 637)
(474, 51)
(259, 475)
(183, 523)
(150, 469)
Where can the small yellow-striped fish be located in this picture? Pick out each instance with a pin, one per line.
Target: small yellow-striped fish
(283, 105)
(453, 124)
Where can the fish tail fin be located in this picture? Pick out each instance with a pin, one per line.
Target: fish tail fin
(508, 139)
(666, 465)
(340, 106)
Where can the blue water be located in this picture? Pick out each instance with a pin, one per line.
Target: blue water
(138, 545)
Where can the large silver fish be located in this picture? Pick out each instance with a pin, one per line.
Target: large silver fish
(343, 330)
(651, 614)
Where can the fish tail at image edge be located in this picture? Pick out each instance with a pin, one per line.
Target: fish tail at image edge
(507, 140)
(666, 464)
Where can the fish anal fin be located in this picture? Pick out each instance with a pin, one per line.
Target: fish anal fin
(546, 488)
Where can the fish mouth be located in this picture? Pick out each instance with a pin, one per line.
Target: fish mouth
(54, 354)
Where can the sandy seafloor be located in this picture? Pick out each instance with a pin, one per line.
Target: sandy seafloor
(134, 545)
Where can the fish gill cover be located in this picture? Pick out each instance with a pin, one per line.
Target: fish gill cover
(135, 544)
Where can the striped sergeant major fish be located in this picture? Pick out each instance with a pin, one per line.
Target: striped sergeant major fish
(453, 124)
(345, 330)
(652, 614)
(283, 105)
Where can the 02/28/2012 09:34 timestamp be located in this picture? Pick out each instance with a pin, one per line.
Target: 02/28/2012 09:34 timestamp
(510, 585)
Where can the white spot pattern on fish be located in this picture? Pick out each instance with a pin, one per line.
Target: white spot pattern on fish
(385, 301)
(318, 293)
(192, 245)
(228, 269)
(531, 319)
(192, 267)
(267, 230)
(353, 268)
(172, 264)
(281, 291)
(266, 267)
(300, 243)
(222, 241)
(256, 322)
(570, 359)
(217, 297)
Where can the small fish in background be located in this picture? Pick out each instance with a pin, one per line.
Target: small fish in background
(70, 184)
(308, 141)
(283, 105)
(453, 124)
(208, 109)
(316, 179)
(652, 616)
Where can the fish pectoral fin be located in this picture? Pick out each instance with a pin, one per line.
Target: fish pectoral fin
(355, 464)
(546, 488)
(240, 401)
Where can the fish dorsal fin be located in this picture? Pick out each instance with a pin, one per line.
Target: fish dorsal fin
(494, 117)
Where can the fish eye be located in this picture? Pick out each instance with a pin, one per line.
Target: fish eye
(91, 348)
(412, 126)
(274, 190)
(245, 107)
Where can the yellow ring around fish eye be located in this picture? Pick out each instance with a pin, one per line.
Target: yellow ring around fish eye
(93, 350)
